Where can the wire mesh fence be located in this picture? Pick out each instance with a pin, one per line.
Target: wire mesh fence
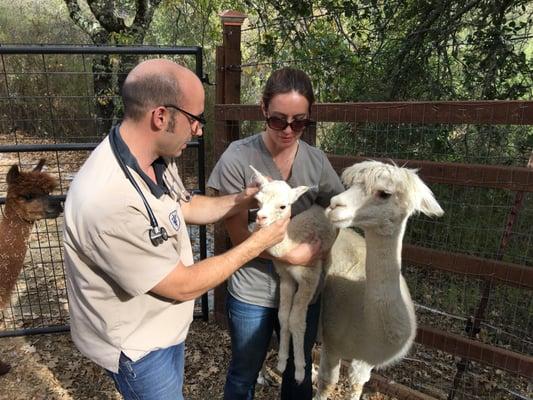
(71, 92)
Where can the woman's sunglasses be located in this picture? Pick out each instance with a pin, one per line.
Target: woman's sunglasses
(279, 124)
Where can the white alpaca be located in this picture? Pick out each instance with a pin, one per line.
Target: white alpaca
(368, 316)
(298, 284)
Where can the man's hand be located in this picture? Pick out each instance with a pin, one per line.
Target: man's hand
(271, 234)
(305, 254)
(246, 198)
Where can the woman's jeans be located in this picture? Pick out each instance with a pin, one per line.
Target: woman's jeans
(251, 329)
(156, 376)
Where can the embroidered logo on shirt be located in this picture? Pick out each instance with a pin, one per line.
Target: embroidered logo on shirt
(174, 220)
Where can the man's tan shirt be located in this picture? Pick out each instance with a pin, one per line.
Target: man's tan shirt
(111, 264)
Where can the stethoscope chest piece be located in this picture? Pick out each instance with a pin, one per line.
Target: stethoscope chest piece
(158, 234)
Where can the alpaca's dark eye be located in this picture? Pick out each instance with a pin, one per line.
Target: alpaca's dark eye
(28, 196)
(283, 207)
(383, 195)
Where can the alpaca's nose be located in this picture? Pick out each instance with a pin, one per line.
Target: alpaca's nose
(53, 209)
(260, 219)
(336, 202)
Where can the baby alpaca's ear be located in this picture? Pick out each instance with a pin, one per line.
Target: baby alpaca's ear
(297, 192)
(260, 178)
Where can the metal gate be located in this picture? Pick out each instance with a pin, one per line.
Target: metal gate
(56, 103)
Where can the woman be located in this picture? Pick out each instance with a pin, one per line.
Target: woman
(253, 290)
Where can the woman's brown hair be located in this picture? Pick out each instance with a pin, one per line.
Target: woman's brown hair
(286, 80)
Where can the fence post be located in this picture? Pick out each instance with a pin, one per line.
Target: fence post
(228, 91)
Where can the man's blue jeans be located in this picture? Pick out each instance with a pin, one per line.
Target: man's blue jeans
(156, 376)
(251, 329)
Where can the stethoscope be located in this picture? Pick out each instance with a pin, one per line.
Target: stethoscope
(158, 234)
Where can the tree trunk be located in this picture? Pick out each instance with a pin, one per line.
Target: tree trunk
(104, 93)
(105, 28)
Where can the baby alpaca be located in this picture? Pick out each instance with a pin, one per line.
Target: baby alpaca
(368, 316)
(298, 284)
(27, 200)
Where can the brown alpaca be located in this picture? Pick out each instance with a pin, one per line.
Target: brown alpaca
(27, 200)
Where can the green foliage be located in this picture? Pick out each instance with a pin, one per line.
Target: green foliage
(397, 50)
(35, 22)
(354, 51)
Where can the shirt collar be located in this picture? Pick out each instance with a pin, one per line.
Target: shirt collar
(157, 189)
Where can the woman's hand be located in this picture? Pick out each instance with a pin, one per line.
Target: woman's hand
(305, 254)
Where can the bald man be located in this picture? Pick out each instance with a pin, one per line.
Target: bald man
(131, 277)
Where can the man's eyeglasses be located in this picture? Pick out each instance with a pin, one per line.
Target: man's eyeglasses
(199, 118)
(279, 124)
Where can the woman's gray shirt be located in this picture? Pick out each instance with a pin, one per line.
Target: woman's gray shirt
(257, 281)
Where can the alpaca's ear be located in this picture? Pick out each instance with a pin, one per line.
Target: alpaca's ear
(259, 197)
(261, 179)
(297, 192)
(353, 174)
(39, 165)
(348, 176)
(428, 203)
(13, 174)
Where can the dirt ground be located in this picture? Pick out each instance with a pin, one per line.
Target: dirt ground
(49, 367)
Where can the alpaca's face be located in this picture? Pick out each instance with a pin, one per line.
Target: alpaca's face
(28, 194)
(275, 200)
(380, 197)
(377, 210)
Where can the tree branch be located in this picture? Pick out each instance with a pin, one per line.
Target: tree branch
(414, 41)
(91, 28)
(143, 16)
(104, 11)
(347, 37)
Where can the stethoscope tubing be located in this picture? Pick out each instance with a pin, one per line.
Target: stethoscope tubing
(157, 234)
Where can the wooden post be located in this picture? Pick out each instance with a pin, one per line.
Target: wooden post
(228, 91)
(232, 22)
(220, 125)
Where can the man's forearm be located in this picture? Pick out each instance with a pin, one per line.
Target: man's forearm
(204, 210)
(238, 232)
(187, 283)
